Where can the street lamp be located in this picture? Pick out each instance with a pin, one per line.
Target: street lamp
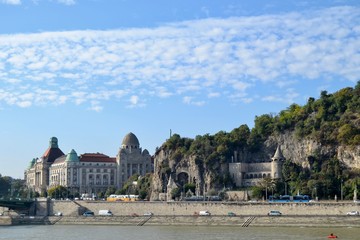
(341, 189)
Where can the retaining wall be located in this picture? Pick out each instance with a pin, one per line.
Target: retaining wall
(69, 208)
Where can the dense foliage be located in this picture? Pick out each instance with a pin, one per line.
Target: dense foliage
(333, 119)
(13, 188)
(137, 185)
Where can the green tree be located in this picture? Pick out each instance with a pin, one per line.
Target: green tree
(5, 186)
(58, 192)
(175, 193)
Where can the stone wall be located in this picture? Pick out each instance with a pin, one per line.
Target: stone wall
(190, 208)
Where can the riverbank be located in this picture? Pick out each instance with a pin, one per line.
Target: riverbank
(250, 214)
(237, 221)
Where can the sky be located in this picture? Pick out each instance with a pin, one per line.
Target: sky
(90, 71)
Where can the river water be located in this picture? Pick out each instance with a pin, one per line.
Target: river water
(96, 232)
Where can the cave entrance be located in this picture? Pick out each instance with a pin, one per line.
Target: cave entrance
(182, 178)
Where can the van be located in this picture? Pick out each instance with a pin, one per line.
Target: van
(204, 213)
(105, 213)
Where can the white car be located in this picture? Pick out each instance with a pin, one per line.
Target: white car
(274, 213)
(148, 214)
(352, 213)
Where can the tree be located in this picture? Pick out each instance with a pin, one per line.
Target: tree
(109, 191)
(175, 193)
(58, 192)
(5, 186)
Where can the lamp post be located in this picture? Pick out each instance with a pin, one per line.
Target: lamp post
(341, 189)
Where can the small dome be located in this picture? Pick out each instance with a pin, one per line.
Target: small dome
(145, 152)
(130, 140)
(32, 162)
(72, 156)
(53, 143)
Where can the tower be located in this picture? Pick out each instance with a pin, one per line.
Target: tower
(276, 164)
(131, 159)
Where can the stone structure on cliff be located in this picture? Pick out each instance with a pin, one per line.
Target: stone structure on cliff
(89, 172)
(244, 172)
(250, 174)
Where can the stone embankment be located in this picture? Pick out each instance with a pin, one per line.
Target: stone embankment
(70, 208)
(320, 214)
(238, 221)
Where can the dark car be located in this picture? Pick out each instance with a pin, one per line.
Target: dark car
(88, 214)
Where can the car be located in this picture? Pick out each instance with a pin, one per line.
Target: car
(274, 213)
(88, 214)
(352, 213)
(58, 214)
(231, 214)
(204, 213)
(148, 214)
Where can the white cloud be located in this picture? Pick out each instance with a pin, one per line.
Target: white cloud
(287, 97)
(95, 106)
(67, 2)
(11, 2)
(134, 100)
(194, 60)
(190, 101)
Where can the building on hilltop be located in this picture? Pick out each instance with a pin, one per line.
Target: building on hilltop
(89, 172)
(250, 174)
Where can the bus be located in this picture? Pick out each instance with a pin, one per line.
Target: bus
(288, 198)
(123, 198)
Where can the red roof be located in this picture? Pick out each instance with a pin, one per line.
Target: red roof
(96, 157)
(51, 154)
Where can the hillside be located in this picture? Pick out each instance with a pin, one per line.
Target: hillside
(319, 140)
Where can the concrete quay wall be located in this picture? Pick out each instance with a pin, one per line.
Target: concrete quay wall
(239, 221)
(70, 208)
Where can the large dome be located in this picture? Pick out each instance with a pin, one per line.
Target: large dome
(130, 140)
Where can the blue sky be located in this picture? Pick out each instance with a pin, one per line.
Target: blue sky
(89, 72)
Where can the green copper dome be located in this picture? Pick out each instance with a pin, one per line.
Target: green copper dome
(32, 162)
(53, 143)
(72, 156)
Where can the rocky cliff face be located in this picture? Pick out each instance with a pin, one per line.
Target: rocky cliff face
(206, 177)
(298, 151)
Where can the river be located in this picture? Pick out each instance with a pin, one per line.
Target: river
(96, 232)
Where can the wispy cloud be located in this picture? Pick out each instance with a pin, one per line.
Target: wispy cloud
(19, 2)
(194, 60)
(67, 2)
(11, 2)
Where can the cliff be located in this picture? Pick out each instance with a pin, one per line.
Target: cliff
(320, 141)
(208, 177)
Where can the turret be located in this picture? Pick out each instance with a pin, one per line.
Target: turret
(276, 164)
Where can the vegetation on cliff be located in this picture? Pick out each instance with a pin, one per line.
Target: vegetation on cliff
(332, 120)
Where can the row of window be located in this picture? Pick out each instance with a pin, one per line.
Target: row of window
(256, 175)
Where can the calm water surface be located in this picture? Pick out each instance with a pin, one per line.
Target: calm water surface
(80, 232)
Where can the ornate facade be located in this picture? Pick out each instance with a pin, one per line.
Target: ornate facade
(90, 172)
